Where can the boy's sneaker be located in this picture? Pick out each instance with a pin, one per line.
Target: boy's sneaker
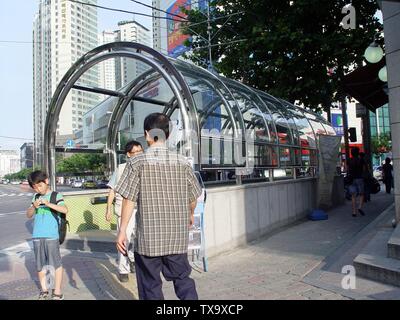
(43, 295)
(57, 296)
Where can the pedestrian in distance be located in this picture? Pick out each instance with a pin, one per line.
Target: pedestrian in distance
(356, 170)
(125, 266)
(45, 235)
(166, 189)
(387, 172)
(368, 176)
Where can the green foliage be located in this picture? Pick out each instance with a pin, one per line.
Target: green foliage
(20, 175)
(289, 46)
(80, 163)
(381, 144)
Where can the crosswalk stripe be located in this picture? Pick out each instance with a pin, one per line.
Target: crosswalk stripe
(16, 194)
(10, 213)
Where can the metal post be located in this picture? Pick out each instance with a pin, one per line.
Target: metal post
(345, 127)
(367, 137)
(210, 63)
(271, 175)
(119, 140)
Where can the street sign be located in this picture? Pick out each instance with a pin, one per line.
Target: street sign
(361, 111)
(69, 143)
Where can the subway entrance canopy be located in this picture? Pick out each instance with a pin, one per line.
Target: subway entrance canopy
(217, 123)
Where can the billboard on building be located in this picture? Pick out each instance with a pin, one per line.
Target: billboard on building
(174, 34)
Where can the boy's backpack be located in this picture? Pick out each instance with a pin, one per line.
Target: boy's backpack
(60, 217)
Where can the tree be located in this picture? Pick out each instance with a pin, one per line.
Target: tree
(81, 163)
(20, 175)
(295, 50)
(381, 144)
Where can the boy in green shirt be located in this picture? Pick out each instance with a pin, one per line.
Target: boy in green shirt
(45, 233)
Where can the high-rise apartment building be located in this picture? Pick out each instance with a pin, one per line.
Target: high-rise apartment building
(107, 67)
(117, 72)
(63, 31)
(132, 31)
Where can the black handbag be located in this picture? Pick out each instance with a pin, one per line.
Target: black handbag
(374, 186)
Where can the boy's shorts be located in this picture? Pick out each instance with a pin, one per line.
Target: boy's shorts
(47, 253)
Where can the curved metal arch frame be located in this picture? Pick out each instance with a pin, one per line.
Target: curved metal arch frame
(116, 117)
(107, 51)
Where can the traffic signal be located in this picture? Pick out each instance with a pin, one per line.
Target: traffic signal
(352, 134)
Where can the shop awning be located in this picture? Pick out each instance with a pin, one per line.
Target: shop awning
(364, 85)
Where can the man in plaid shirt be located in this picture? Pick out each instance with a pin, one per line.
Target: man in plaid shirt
(166, 190)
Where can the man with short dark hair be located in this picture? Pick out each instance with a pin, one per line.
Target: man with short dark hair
(166, 189)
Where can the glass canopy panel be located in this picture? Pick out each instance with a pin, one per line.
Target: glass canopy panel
(304, 129)
(127, 70)
(283, 129)
(218, 116)
(318, 128)
(329, 129)
(215, 117)
(252, 116)
(89, 113)
(286, 110)
(253, 111)
(154, 96)
(263, 155)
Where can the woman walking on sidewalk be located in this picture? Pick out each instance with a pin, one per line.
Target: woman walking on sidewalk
(356, 170)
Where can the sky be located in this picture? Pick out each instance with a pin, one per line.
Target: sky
(16, 86)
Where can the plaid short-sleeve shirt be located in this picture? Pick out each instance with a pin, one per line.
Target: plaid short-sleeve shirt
(163, 184)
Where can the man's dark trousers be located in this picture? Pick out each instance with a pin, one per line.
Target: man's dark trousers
(174, 268)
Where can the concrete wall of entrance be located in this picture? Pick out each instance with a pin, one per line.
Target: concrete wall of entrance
(236, 215)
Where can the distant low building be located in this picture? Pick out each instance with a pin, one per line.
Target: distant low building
(9, 162)
(27, 155)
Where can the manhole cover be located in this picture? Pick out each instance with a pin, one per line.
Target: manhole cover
(18, 289)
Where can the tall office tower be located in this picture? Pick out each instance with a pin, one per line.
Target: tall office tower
(63, 31)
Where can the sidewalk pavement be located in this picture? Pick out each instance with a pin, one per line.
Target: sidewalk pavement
(300, 262)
